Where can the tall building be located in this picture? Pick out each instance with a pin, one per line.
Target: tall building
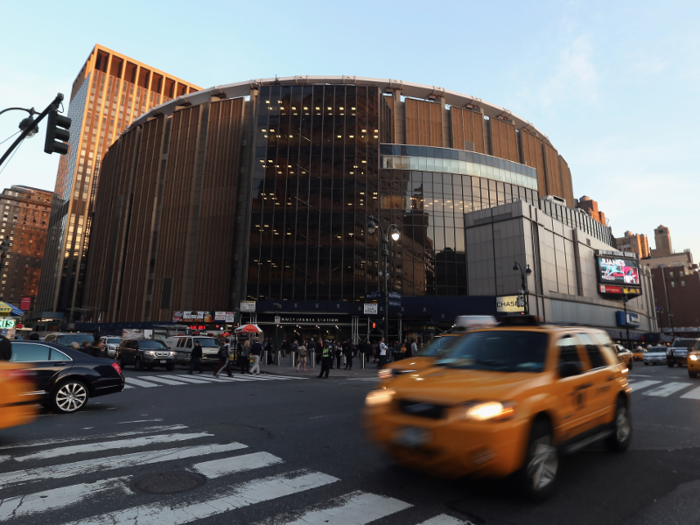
(590, 206)
(110, 91)
(25, 220)
(634, 242)
(262, 191)
(662, 241)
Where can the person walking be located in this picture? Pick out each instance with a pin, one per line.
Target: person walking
(5, 348)
(96, 348)
(412, 349)
(196, 358)
(303, 352)
(256, 351)
(268, 350)
(223, 359)
(349, 351)
(313, 351)
(244, 357)
(326, 360)
(338, 350)
(382, 353)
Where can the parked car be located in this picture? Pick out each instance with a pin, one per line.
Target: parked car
(677, 353)
(18, 395)
(182, 346)
(111, 345)
(656, 355)
(65, 378)
(145, 354)
(624, 356)
(67, 338)
(506, 400)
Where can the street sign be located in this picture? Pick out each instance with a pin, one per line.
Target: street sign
(371, 309)
(278, 319)
(7, 324)
(374, 295)
(394, 303)
(395, 295)
(247, 306)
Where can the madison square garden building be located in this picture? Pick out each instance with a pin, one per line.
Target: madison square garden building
(261, 191)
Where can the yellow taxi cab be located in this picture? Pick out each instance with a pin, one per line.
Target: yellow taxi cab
(505, 400)
(694, 360)
(17, 399)
(437, 347)
(638, 353)
(624, 356)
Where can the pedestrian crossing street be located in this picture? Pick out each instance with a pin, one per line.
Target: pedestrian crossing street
(658, 388)
(152, 381)
(49, 485)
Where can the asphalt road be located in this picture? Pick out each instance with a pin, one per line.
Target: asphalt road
(274, 450)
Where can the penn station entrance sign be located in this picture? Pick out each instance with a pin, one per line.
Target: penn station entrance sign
(310, 319)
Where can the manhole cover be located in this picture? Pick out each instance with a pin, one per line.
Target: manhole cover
(168, 482)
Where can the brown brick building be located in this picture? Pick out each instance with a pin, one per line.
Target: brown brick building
(677, 290)
(590, 206)
(634, 242)
(25, 219)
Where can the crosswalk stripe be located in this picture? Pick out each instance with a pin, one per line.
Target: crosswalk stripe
(55, 499)
(356, 508)
(693, 394)
(127, 387)
(165, 381)
(137, 382)
(113, 445)
(187, 380)
(208, 379)
(58, 441)
(239, 496)
(667, 389)
(444, 519)
(112, 462)
(636, 387)
(221, 467)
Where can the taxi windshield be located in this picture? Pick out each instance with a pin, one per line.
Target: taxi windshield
(498, 350)
(438, 346)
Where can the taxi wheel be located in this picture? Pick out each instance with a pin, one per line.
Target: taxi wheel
(70, 397)
(619, 440)
(692, 374)
(538, 475)
(630, 364)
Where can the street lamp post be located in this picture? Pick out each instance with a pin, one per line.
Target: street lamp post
(670, 321)
(393, 230)
(627, 326)
(524, 273)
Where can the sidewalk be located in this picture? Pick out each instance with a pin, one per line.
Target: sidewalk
(370, 372)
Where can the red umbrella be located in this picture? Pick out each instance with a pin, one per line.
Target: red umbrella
(248, 329)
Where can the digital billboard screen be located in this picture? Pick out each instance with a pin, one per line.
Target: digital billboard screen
(618, 271)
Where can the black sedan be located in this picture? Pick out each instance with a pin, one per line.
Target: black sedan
(67, 378)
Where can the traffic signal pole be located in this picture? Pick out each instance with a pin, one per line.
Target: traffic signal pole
(23, 135)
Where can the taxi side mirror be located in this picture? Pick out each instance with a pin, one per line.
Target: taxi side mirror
(569, 369)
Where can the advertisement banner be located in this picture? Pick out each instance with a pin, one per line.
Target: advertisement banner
(509, 304)
(247, 306)
(615, 270)
(371, 309)
(25, 303)
(230, 317)
(220, 316)
(177, 317)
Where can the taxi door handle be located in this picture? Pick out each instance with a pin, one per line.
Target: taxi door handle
(611, 378)
(586, 385)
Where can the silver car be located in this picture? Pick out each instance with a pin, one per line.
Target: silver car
(111, 345)
(656, 355)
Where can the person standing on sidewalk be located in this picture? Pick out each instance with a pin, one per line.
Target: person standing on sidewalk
(338, 351)
(326, 360)
(412, 349)
(256, 350)
(313, 351)
(223, 359)
(196, 358)
(244, 357)
(382, 353)
(301, 349)
(349, 351)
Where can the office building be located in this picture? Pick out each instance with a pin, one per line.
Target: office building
(261, 191)
(662, 242)
(25, 220)
(110, 91)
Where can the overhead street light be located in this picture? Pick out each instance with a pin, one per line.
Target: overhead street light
(524, 274)
(393, 230)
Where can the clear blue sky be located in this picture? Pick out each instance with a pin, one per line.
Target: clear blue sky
(613, 84)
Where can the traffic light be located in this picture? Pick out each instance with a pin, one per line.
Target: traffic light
(57, 133)
(374, 325)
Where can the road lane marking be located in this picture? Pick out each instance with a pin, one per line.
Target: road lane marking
(238, 496)
(113, 445)
(693, 394)
(356, 508)
(643, 384)
(444, 519)
(187, 380)
(112, 462)
(667, 389)
(205, 378)
(126, 387)
(137, 382)
(160, 379)
(140, 421)
(222, 467)
(58, 441)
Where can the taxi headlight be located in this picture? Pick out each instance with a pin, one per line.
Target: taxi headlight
(693, 358)
(489, 410)
(385, 373)
(379, 397)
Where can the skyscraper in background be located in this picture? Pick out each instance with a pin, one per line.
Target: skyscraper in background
(110, 91)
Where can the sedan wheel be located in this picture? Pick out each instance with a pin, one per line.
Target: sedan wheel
(70, 397)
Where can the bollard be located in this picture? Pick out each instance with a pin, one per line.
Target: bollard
(294, 355)
(363, 360)
(278, 358)
(313, 358)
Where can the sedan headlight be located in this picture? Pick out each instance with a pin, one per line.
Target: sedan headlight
(489, 410)
(693, 358)
(379, 397)
(173, 354)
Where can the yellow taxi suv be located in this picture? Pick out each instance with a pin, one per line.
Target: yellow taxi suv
(18, 401)
(694, 360)
(437, 347)
(505, 400)
(625, 356)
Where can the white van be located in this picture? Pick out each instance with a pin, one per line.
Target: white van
(182, 345)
